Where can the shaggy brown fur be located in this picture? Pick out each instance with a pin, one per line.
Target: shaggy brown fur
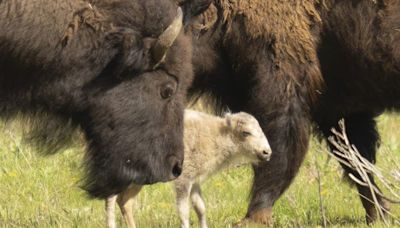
(360, 61)
(91, 64)
(250, 59)
(266, 58)
(291, 41)
(88, 16)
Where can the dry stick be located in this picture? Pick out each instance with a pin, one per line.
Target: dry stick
(355, 179)
(370, 168)
(396, 219)
(367, 180)
(380, 176)
(321, 206)
(363, 174)
(349, 156)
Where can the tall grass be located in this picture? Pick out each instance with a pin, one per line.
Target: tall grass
(40, 191)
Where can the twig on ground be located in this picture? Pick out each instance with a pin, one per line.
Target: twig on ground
(348, 155)
(321, 204)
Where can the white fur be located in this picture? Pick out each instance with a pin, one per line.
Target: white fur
(211, 144)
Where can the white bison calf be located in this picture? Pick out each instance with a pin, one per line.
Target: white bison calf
(211, 143)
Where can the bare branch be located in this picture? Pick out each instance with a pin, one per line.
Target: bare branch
(348, 155)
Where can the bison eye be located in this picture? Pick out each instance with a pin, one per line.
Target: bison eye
(167, 90)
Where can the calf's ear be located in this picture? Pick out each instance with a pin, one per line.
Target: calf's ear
(192, 8)
(229, 120)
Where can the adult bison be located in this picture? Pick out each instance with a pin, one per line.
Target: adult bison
(117, 69)
(293, 64)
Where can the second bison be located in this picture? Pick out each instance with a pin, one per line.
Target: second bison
(297, 64)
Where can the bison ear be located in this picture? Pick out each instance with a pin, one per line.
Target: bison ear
(192, 8)
(132, 54)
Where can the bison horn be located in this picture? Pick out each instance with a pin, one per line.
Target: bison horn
(167, 38)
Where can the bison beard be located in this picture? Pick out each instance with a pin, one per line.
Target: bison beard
(292, 64)
(116, 69)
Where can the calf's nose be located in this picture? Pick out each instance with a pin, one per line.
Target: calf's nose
(266, 154)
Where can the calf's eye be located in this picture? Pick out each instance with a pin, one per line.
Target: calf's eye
(245, 134)
(167, 90)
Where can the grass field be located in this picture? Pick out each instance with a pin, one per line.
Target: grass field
(40, 191)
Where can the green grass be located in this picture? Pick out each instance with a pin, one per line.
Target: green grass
(40, 191)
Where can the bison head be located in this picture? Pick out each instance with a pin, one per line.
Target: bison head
(133, 119)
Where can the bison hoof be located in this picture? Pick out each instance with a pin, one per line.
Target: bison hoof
(261, 216)
(245, 223)
(372, 214)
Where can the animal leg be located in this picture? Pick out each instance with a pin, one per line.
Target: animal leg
(199, 205)
(289, 138)
(125, 201)
(110, 211)
(286, 123)
(183, 204)
(361, 131)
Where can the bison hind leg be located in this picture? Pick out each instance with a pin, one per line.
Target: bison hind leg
(361, 131)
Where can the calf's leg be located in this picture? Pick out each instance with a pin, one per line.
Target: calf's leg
(110, 211)
(182, 201)
(125, 201)
(199, 205)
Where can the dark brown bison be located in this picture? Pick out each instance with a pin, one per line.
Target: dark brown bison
(293, 64)
(117, 69)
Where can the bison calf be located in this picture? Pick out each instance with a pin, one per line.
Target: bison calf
(211, 144)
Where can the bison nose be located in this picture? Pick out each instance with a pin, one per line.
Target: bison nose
(176, 165)
(177, 170)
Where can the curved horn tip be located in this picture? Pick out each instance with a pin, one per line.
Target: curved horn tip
(179, 13)
(167, 38)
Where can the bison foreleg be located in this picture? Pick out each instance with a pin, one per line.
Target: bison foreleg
(287, 127)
